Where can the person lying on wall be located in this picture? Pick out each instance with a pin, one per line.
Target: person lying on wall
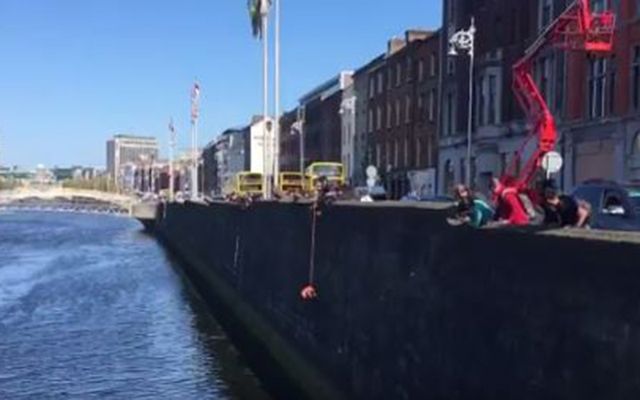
(510, 209)
(565, 211)
(470, 209)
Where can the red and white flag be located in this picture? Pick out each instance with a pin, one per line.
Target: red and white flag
(195, 102)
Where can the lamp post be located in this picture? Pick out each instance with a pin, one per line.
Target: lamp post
(301, 118)
(172, 146)
(465, 40)
(276, 84)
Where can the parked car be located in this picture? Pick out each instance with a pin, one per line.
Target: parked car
(614, 206)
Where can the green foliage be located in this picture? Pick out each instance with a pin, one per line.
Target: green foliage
(102, 184)
(6, 184)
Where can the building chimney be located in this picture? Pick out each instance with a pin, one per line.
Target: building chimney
(395, 45)
(417, 34)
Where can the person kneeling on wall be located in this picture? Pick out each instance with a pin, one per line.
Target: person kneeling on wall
(471, 210)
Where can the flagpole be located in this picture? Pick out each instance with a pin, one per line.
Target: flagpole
(276, 125)
(172, 144)
(265, 112)
(195, 98)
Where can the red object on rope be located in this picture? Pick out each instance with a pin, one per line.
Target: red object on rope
(577, 28)
(308, 292)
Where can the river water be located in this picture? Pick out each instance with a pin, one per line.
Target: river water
(90, 307)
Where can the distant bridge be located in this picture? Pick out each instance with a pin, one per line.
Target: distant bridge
(66, 200)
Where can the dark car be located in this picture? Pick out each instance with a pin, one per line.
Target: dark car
(614, 206)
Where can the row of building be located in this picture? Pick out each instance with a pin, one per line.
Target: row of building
(406, 111)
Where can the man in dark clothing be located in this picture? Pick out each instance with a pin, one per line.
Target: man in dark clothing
(564, 210)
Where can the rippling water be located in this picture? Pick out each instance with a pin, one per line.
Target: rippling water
(90, 307)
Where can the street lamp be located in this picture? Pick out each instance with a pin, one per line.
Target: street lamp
(301, 121)
(465, 41)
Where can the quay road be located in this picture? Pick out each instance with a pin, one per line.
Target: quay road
(90, 307)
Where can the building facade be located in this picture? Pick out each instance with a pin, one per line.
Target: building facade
(504, 31)
(124, 152)
(601, 129)
(594, 99)
(235, 150)
(321, 124)
(363, 146)
(401, 113)
(348, 131)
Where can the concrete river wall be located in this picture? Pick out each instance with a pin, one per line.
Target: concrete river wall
(411, 308)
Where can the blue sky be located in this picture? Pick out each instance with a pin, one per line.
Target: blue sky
(75, 72)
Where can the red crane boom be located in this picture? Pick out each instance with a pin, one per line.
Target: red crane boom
(577, 28)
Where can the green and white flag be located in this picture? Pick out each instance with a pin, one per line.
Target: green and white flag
(258, 9)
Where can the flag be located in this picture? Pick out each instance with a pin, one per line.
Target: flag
(258, 9)
(195, 102)
(172, 130)
(296, 128)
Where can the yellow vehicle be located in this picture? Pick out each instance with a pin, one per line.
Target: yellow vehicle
(290, 182)
(247, 184)
(332, 171)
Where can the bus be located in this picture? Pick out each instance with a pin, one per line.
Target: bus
(332, 171)
(290, 183)
(246, 184)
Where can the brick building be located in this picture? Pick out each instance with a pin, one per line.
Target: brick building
(595, 100)
(401, 113)
(363, 146)
(289, 142)
(505, 28)
(601, 133)
(322, 125)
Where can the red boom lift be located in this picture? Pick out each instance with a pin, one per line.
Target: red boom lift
(577, 28)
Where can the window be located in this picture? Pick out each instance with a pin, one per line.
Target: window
(545, 13)
(598, 6)
(418, 151)
(491, 119)
(406, 153)
(407, 110)
(420, 70)
(635, 150)
(451, 66)
(481, 102)
(395, 153)
(389, 77)
(409, 69)
(544, 75)
(611, 94)
(635, 78)
(380, 82)
(463, 170)
(449, 176)
(597, 86)
(378, 155)
(378, 118)
(389, 114)
(398, 74)
(370, 122)
(421, 107)
(432, 105)
(372, 87)
(432, 65)
(449, 121)
(387, 154)
(397, 112)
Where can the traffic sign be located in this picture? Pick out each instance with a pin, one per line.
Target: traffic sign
(372, 172)
(552, 162)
